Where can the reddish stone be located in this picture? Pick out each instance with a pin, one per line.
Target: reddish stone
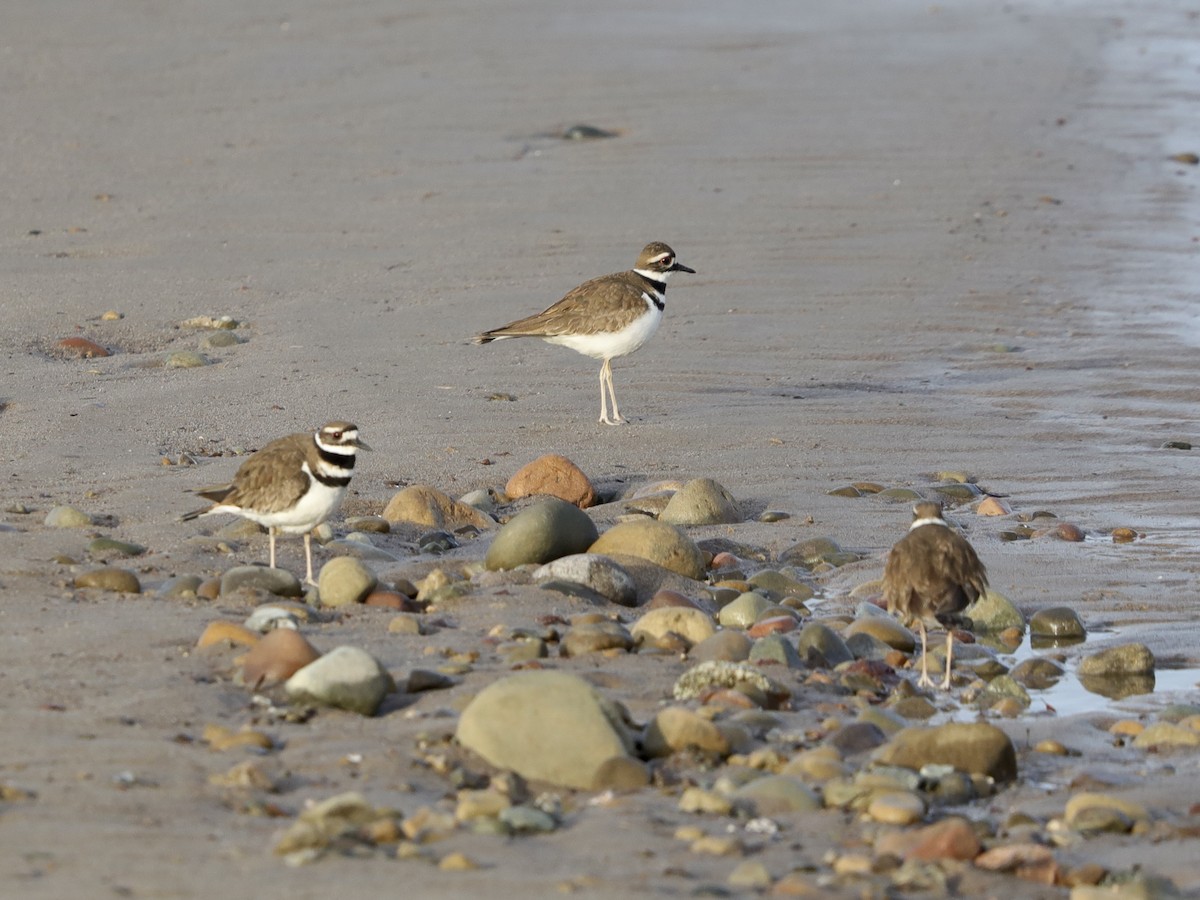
(1033, 862)
(672, 598)
(392, 600)
(1068, 532)
(81, 347)
(725, 560)
(773, 625)
(556, 476)
(951, 838)
(276, 658)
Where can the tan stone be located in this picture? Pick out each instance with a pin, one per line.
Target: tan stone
(227, 632)
(555, 476)
(421, 504)
(688, 622)
(274, 659)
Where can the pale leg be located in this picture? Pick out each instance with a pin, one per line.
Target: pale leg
(924, 680)
(607, 379)
(271, 543)
(308, 555)
(604, 397)
(949, 660)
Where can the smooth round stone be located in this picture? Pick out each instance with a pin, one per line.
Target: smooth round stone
(698, 800)
(774, 795)
(344, 581)
(1059, 622)
(268, 618)
(480, 804)
(959, 493)
(951, 838)
(809, 553)
(280, 582)
(744, 611)
(584, 132)
(868, 647)
(276, 657)
(545, 726)
(1115, 813)
(857, 737)
(750, 875)
(1066, 531)
(405, 623)
(345, 677)
(549, 529)
(896, 808)
(820, 764)
(1037, 673)
(483, 499)
(701, 501)
(732, 646)
(899, 495)
(675, 728)
(103, 545)
(185, 359)
(596, 637)
(1165, 735)
(369, 524)
(555, 476)
(772, 623)
(223, 633)
(781, 584)
(994, 613)
(109, 578)
(820, 645)
(655, 541)
(886, 629)
(81, 348)
(220, 339)
(775, 648)
(975, 747)
(918, 707)
(421, 504)
(1124, 659)
(391, 600)
(598, 573)
(1001, 687)
(691, 624)
(666, 597)
(67, 517)
(526, 819)
(181, 586)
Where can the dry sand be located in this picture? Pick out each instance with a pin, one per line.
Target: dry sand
(927, 238)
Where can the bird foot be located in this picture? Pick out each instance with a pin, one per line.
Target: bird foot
(926, 681)
(619, 420)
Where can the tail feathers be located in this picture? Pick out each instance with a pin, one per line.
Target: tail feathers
(194, 514)
(215, 494)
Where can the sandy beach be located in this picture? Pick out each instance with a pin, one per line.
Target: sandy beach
(927, 239)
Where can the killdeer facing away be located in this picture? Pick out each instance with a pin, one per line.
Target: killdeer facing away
(604, 318)
(932, 573)
(291, 485)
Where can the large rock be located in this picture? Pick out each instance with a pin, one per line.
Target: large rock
(545, 726)
(345, 677)
(993, 613)
(693, 625)
(701, 502)
(555, 476)
(277, 657)
(820, 645)
(656, 541)
(676, 728)
(547, 530)
(975, 748)
(774, 795)
(425, 505)
(344, 581)
(1124, 659)
(280, 582)
(599, 573)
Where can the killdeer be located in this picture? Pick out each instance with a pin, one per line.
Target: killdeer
(604, 318)
(932, 573)
(291, 485)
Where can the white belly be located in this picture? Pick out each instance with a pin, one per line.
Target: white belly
(609, 345)
(313, 509)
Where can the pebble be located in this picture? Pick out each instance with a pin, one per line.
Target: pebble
(993, 506)
(555, 476)
(598, 573)
(222, 322)
(67, 517)
(276, 657)
(896, 808)
(545, 726)
(869, 647)
(750, 875)
(886, 629)
(344, 581)
(660, 543)
(547, 530)
(185, 359)
(81, 348)
(421, 504)
(182, 586)
(1060, 622)
(816, 551)
(993, 612)
(857, 737)
(743, 611)
(221, 632)
(775, 649)
(111, 546)
(772, 624)
(1027, 861)
(220, 339)
(1165, 735)
(701, 502)
(1124, 659)
(1037, 673)
(698, 800)
(267, 618)
(950, 838)
(1001, 688)
(1091, 811)
(702, 678)
(775, 795)
(480, 804)
(621, 774)
(457, 862)
(391, 600)
(525, 819)
(596, 637)
(220, 739)
(975, 748)
(731, 646)
(820, 646)
(345, 677)
(781, 584)
(109, 578)
(818, 764)
(280, 582)
(1065, 531)
(1124, 535)
(676, 728)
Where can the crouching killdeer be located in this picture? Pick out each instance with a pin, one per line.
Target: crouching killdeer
(604, 318)
(932, 573)
(291, 485)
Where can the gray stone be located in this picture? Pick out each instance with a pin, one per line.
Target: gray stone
(185, 359)
(280, 582)
(346, 677)
(547, 530)
(820, 645)
(732, 646)
(884, 627)
(774, 795)
(815, 551)
(180, 586)
(975, 748)
(109, 578)
(743, 611)
(525, 819)
(598, 573)
(867, 646)
(1002, 687)
(857, 737)
(775, 648)
(596, 637)
(993, 613)
(1037, 673)
(701, 502)
(67, 517)
(1059, 622)
(104, 546)
(1124, 659)
(658, 542)
(545, 726)
(781, 584)
(345, 580)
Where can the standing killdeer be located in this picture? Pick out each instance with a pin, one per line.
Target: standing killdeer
(604, 318)
(290, 485)
(932, 573)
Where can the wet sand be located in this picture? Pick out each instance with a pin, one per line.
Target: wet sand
(926, 239)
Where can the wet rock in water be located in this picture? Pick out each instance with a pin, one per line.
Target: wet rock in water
(554, 476)
(708, 676)
(676, 728)
(658, 542)
(344, 581)
(743, 611)
(1165, 735)
(951, 838)
(820, 646)
(1037, 673)
(547, 530)
(731, 646)
(421, 504)
(775, 795)
(869, 647)
(1059, 622)
(280, 582)
(918, 707)
(816, 551)
(221, 632)
(884, 628)
(781, 584)
(1118, 687)
(1124, 535)
(1000, 688)
(1066, 531)
(104, 546)
(896, 807)
(345, 677)
(1124, 659)
(67, 517)
(545, 726)
(900, 495)
(595, 637)
(993, 612)
(109, 578)
(276, 658)
(775, 648)
(1096, 812)
(975, 748)
(701, 502)
(595, 572)
(691, 624)
(81, 348)
(185, 359)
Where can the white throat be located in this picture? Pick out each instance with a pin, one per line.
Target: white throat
(919, 522)
(653, 276)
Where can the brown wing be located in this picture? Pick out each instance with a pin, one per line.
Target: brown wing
(924, 578)
(584, 306)
(269, 481)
